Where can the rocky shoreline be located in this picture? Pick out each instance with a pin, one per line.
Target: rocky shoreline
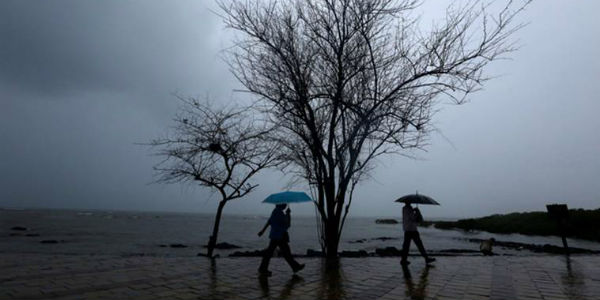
(24, 232)
(379, 252)
(395, 252)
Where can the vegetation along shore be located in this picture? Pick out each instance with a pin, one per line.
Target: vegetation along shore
(582, 224)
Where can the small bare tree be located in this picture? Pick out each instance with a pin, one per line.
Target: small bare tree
(219, 148)
(347, 81)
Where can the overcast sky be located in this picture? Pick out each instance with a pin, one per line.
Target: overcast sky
(81, 82)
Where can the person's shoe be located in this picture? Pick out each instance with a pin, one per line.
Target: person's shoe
(300, 267)
(264, 273)
(429, 260)
(404, 262)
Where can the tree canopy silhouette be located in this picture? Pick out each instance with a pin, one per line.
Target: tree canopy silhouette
(347, 81)
(218, 147)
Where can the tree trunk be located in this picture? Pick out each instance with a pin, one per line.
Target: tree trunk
(331, 239)
(212, 241)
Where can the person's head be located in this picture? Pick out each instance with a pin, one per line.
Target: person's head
(281, 206)
(407, 204)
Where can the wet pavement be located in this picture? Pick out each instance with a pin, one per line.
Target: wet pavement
(36, 276)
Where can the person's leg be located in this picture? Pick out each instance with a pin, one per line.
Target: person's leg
(417, 238)
(287, 254)
(419, 243)
(405, 245)
(264, 264)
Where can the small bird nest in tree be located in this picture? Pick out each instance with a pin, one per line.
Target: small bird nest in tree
(215, 147)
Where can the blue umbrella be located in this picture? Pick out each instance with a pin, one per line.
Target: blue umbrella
(287, 197)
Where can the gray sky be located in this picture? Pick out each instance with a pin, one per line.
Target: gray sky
(82, 81)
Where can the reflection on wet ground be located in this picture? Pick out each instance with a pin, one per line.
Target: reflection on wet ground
(418, 291)
(573, 279)
(330, 283)
(37, 276)
(287, 288)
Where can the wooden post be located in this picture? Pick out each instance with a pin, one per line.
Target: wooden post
(560, 213)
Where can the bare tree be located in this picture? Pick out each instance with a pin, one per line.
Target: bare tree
(347, 81)
(219, 148)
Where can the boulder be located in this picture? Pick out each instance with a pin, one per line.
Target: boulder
(52, 241)
(206, 255)
(388, 251)
(255, 253)
(224, 246)
(178, 246)
(386, 221)
(314, 253)
(359, 253)
(458, 251)
(19, 228)
(358, 241)
(384, 238)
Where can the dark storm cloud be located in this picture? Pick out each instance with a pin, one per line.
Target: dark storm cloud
(58, 47)
(82, 81)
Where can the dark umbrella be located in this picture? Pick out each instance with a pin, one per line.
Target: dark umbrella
(417, 199)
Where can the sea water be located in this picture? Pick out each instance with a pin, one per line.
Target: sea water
(151, 233)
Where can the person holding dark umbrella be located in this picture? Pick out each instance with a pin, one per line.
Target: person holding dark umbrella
(280, 222)
(410, 218)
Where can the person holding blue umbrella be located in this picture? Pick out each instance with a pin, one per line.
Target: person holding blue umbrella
(280, 222)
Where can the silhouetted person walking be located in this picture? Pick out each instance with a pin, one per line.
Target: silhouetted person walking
(279, 222)
(410, 218)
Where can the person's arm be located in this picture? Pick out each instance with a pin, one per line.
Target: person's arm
(410, 215)
(260, 233)
(418, 215)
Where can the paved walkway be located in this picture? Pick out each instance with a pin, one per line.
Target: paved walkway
(29, 276)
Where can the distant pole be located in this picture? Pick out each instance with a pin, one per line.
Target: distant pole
(560, 213)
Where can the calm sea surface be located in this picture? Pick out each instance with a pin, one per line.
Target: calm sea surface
(143, 233)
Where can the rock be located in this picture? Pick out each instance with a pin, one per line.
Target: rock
(537, 248)
(358, 241)
(15, 234)
(19, 228)
(359, 253)
(135, 255)
(255, 253)
(386, 221)
(52, 241)
(162, 245)
(206, 255)
(385, 238)
(457, 251)
(388, 251)
(224, 246)
(178, 246)
(32, 234)
(314, 253)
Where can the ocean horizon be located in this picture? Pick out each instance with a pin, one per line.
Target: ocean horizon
(125, 233)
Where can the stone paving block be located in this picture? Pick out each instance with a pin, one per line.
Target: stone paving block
(475, 297)
(105, 277)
